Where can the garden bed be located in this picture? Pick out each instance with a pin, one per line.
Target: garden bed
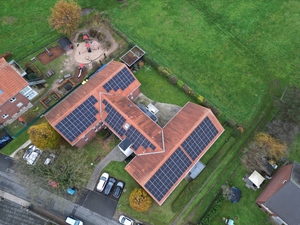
(45, 58)
(50, 99)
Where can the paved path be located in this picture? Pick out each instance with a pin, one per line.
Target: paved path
(114, 155)
(27, 143)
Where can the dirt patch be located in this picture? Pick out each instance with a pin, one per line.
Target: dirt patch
(81, 77)
(56, 52)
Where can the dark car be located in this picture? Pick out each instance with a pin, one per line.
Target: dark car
(118, 190)
(109, 185)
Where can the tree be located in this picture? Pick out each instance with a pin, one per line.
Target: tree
(43, 136)
(71, 168)
(140, 200)
(284, 131)
(66, 16)
(289, 105)
(274, 148)
(253, 159)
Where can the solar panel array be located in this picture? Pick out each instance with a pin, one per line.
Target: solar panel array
(121, 81)
(168, 174)
(79, 119)
(138, 139)
(116, 121)
(200, 138)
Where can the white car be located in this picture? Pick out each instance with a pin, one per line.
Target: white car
(125, 220)
(32, 154)
(73, 221)
(102, 182)
(49, 159)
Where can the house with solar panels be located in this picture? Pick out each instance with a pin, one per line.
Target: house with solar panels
(163, 155)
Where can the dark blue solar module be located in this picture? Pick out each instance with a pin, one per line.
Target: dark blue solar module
(168, 174)
(79, 119)
(200, 138)
(120, 81)
(114, 119)
(138, 139)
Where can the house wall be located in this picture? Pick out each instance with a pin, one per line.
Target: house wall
(11, 108)
(88, 137)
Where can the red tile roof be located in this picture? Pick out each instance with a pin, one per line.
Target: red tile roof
(94, 86)
(165, 140)
(142, 168)
(11, 83)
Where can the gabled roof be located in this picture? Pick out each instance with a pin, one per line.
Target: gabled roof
(77, 99)
(11, 83)
(282, 194)
(178, 135)
(165, 155)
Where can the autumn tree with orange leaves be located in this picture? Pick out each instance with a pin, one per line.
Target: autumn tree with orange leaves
(140, 200)
(66, 16)
(43, 136)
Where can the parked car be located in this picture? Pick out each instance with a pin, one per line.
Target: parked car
(102, 182)
(109, 185)
(118, 190)
(32, 155)
(50, 159)
(73, 221)
(125, 220)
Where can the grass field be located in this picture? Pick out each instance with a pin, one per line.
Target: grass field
(229, 53)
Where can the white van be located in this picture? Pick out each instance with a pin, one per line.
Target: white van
(73, 221)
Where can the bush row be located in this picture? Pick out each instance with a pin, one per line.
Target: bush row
(212, 210)
(179, 83)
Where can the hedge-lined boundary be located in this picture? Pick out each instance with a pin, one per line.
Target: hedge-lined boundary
(212, 209)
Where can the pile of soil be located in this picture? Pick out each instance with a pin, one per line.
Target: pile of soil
(56, 52)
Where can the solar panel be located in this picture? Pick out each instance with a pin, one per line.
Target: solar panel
(114, 119)
(200, 138)
(168, 174)
(120, 81)
(138, 139)
(79, 119)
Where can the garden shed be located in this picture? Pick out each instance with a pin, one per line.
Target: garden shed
(65, 43)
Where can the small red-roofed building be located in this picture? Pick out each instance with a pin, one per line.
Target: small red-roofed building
(15, 93)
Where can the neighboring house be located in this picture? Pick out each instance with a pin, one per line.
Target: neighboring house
(281, 197)
(15, 94)
(163, 156)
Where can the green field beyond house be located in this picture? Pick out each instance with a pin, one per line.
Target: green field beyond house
(228, 52)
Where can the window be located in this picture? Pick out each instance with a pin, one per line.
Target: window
(5, 116)
(12, 99)
(19, 104)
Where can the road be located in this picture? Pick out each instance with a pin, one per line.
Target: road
(49, 202)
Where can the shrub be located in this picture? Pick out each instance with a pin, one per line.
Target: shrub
(214, 208)
(101, 36)
(151, 62)
(173, 79)
(6, 55)
(140, 200)
(186, 89)
(180, 84)
(106, 44)
(231, 123)
(199, 98)
(214, 109)
(34, 68)
(237, 132)
(92, 32)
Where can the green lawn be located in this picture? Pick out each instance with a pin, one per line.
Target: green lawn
(213, 50)
(158, 88)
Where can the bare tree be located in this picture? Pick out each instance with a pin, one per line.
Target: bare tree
(285, 131)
